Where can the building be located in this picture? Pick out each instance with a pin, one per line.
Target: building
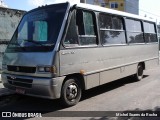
(9, 19)
(131, 6)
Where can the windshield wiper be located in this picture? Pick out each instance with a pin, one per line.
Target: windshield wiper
(35, 42)
(15, 44)
(49, 45)
(18, 45)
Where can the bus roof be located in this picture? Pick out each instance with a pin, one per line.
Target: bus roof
(111, 11)
(102, 9)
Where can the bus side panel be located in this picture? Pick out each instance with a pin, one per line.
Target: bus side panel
(112, 62)
(151, 63)
(92, 80)
(117, 73)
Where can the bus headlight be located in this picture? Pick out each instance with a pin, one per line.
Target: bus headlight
(50, 69)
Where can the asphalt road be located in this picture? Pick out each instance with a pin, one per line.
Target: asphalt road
(121, 95)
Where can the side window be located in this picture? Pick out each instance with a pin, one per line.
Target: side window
(81, 30)
(111, 29)
(71, 39)
(88, 23)
(85, 22)
(149, 32)
(134, 31)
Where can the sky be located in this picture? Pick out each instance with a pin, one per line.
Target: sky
(150, 8)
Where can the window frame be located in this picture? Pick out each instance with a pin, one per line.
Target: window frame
(114, 30)
(96, 15)
(95, 27)
(142, 31)
(155, 29)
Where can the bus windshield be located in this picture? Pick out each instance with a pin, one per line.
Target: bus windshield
(39, 29)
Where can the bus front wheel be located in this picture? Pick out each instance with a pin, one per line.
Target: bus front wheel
(71, 92)
(139, 74)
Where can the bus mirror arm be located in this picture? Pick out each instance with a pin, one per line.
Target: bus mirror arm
(74, 7)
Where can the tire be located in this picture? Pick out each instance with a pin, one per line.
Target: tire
(71, 92)
(139, 74)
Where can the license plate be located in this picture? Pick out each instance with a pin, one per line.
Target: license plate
(20, 91)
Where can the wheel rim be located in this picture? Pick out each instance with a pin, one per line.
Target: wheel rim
(72, 91)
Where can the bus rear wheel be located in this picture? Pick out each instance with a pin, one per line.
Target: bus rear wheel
(139, 74)
(71, 92)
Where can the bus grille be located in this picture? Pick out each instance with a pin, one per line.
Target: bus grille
(21, 69)
(26, 83)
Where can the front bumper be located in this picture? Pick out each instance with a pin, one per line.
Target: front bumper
(34, 86)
